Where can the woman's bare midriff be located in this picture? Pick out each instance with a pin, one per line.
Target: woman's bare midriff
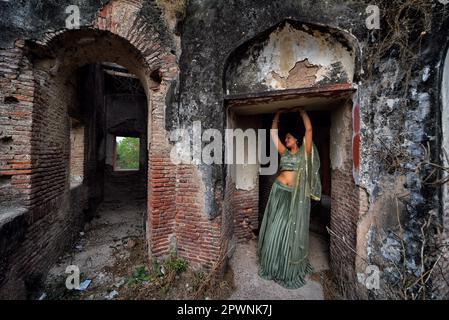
(287, 177)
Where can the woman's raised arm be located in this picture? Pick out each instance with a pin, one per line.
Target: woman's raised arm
(309, 132)
(274, 133)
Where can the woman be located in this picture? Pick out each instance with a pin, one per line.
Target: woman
(284, 233)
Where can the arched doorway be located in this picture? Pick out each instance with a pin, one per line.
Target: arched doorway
(52, 213)
(89, 94)
(107, 177)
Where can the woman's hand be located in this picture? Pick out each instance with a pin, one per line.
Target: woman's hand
(301, 110)
(278, 114)
(280, 111)
(274, 133)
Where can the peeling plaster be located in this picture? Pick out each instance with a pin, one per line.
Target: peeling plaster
(288, 52)
(303, 74)
(245, 176)
(287, 46)
(201, 200)
(381, 215)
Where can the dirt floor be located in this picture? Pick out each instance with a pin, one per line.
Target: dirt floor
(249, 286)
(111, 254)
(107, 240)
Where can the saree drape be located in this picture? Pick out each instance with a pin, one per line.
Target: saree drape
(283, 247)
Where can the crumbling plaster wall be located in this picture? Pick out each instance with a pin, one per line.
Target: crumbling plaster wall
(341, 128)
(399, 105)
(34, 18)
(213, 29)
(290, 57)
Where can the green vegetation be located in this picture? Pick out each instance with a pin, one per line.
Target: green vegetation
(176, 264)
(141, 274)
(172, 266)
(127, 153)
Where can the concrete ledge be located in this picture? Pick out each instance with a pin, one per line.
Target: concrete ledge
(9, 214)
(75, 185)
(13, 225)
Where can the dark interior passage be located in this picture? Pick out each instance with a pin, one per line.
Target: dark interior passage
(111, 103)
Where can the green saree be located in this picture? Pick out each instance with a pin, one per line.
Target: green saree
(283, 247)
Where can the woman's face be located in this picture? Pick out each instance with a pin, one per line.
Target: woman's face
(290, 141)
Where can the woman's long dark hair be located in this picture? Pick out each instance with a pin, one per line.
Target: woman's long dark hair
(292, 125)
(298, 136)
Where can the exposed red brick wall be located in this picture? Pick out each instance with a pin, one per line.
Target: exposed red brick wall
(35, 157)
(119, 19)
(50, 144)
(51, 221)
(35, 131)
(344, 217)
(241, 211)
(245, 206)
(161, 181)
(16, 107)
(199, 239)
(77, 151)
(169, 215)
(228, 225)
(265, 185)
(345, 211)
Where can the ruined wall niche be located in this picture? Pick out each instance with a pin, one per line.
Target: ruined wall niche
(245, 176)
(291, 55)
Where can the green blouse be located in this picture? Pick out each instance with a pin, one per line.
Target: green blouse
(289, 161)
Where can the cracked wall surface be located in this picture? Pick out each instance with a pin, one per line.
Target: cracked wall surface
(290, 57)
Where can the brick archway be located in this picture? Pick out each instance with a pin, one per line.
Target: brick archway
(39, 94)
(120, 36)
